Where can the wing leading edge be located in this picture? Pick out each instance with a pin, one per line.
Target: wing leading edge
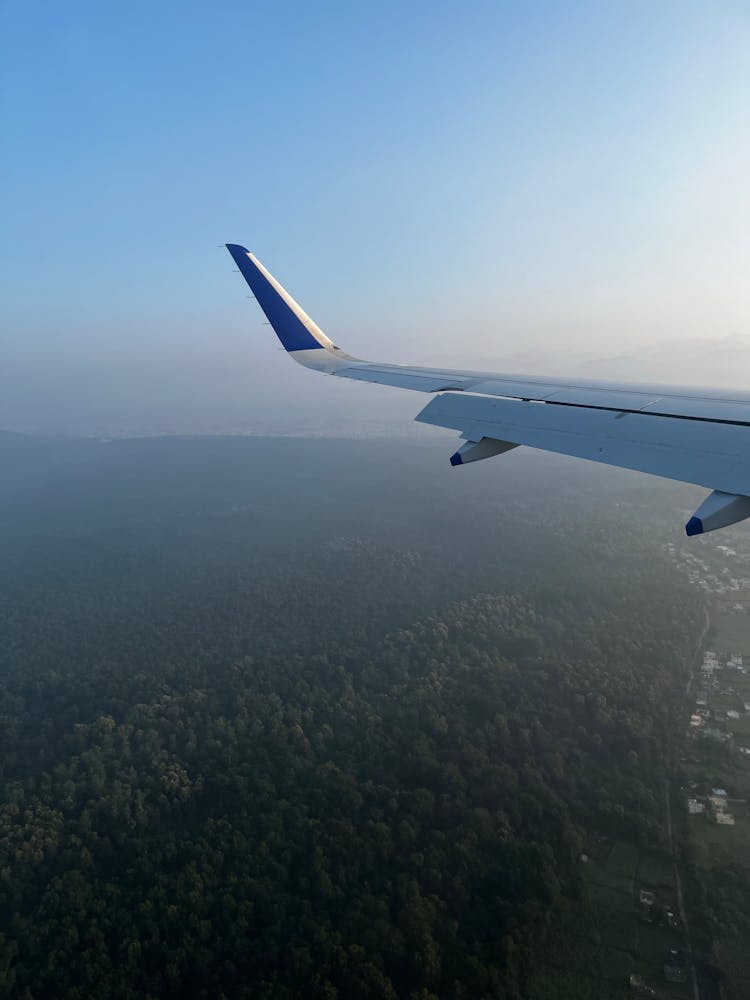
(693, 435)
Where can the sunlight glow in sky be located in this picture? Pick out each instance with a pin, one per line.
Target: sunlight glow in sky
(432, 181)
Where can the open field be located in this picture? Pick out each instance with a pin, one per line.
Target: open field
(740, 727)
(737, 777)
(602, 939)
(549, 983)
(655, 869)
(733, 633)
(720, 842)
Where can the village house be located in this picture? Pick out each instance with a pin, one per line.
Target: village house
(708, 670)
(712, 733)
(639, 987)
(718, 800)
(647, 900)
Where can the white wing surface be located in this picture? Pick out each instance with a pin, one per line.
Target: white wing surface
(694, 435)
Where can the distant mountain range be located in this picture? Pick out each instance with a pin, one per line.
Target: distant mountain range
(723, 362)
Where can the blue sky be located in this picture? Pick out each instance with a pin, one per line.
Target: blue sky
(431, 180)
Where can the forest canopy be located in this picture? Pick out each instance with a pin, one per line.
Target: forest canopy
(351, 747)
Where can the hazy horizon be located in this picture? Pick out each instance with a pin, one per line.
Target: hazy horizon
(271, 395)
(551, 188)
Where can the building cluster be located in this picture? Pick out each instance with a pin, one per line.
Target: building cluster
(656, 910)
(719, 811)
(715, 805)
(714, 579)
(712, 722)
(639, 987)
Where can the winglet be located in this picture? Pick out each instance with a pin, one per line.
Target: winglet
(294, 328)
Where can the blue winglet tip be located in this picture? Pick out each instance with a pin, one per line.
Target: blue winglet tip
(456, 459)
(694, 527)
(285, 320)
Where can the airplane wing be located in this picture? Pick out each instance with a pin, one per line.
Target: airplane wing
(693, 435)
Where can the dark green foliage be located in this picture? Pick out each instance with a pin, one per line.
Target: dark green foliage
(350, 764)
